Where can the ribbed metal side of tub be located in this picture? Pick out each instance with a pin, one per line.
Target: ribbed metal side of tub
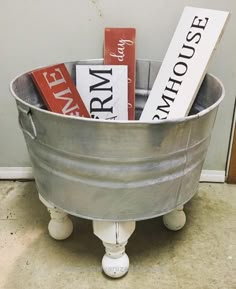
(117, 170)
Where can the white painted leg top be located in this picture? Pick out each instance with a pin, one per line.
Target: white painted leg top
(60, 226)
(113, 232)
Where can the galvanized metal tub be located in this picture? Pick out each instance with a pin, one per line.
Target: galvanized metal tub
(117, 170)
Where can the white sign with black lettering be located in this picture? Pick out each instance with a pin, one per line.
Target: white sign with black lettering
(185, 63)
(104, 90)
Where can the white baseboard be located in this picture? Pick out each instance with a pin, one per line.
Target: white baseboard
(16, 173)
(212, 176)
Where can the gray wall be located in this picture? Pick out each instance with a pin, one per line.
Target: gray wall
(35, 33)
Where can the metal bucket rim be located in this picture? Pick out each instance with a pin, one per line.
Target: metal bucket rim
(165, 121)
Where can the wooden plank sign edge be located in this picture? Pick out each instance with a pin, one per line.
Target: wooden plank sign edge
(119, 48)
(58, 90)
(104, 90)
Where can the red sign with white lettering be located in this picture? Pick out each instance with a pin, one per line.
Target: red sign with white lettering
(119, 48)
(58, 90)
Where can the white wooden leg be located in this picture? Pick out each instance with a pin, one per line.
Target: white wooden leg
(115, 235)
(175, 220)
(60, 226)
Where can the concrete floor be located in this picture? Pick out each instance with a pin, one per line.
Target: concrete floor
(202, 255)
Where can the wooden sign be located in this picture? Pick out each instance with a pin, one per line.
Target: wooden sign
(184, 66)
(104, 90)
(119, 48)
(58, 90)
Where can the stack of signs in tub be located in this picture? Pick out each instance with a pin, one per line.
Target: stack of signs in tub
(102, 91)
(108, 91)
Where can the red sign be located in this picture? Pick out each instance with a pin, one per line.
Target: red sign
(58, 90)
(119, 48)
